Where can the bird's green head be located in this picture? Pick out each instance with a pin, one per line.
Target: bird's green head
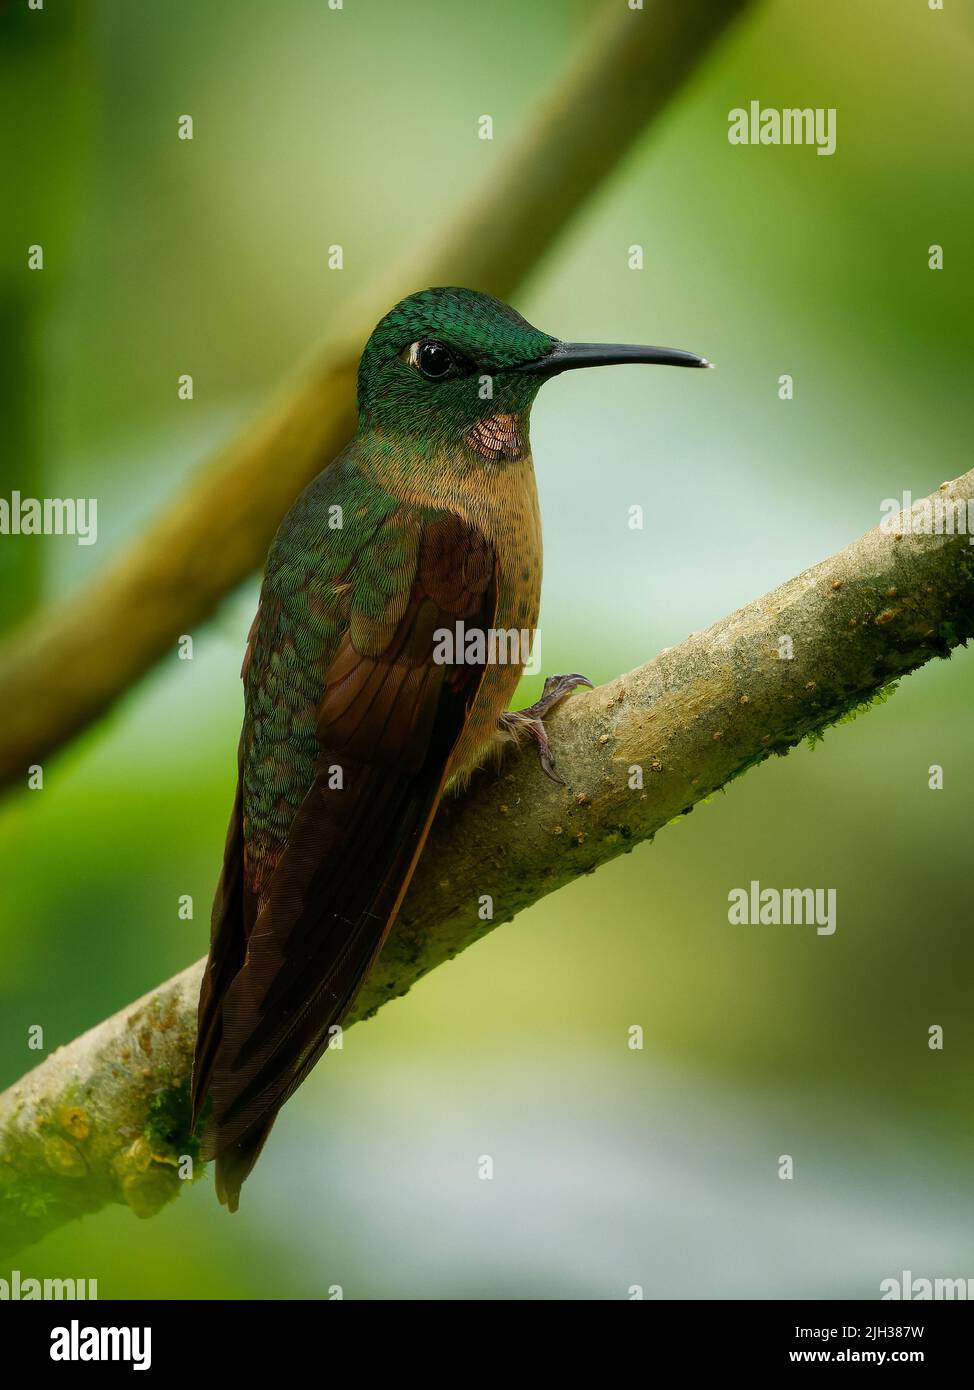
(445, 359)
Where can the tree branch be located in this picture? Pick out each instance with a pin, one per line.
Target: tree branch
(71, 663)
(105, 1119)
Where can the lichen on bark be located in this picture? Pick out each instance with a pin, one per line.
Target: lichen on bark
(105, 1118)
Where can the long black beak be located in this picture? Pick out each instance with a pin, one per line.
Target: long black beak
(565, 357)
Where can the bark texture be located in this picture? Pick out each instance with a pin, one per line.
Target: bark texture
(105, 1118)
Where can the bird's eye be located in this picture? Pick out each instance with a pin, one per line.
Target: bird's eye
(432, 360)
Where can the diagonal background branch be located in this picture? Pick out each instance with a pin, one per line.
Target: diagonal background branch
(105, 1118)
(73, 661)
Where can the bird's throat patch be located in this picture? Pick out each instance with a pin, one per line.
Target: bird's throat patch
(498, 439)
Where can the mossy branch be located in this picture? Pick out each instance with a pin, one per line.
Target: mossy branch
(70, 664)
(105, 1118)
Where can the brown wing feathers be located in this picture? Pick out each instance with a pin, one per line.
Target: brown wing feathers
(390, 720)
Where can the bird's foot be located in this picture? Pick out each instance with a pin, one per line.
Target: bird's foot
(530, 721)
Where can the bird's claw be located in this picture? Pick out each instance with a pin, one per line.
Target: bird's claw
(531, 720)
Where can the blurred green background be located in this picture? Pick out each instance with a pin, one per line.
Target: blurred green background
(613, 1167)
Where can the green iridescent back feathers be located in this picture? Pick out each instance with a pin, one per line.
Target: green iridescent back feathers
(355, 721)
(326, 566)
(349, 726)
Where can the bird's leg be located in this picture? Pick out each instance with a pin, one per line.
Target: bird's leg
(518, 722)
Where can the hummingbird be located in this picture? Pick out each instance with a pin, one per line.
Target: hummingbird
(358, 716)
